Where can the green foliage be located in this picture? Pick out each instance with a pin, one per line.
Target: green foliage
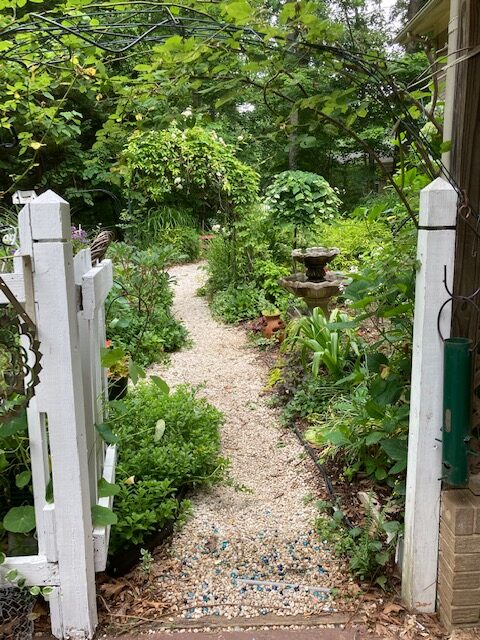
(237, 303)
(154, 464)
(184, 240)
(192, 168)
(359, 240)
(139, 319)
(144, 229)
(16, 511)
(330, 343)
(300, 198)
(251, 257)
(367, 430)
(369, 549)
(359, 414)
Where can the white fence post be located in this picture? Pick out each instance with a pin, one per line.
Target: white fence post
(435, 252)
(45, 234)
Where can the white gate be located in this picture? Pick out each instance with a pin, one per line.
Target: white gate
(65, 298)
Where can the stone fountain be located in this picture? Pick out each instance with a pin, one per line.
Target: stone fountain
(316, 286)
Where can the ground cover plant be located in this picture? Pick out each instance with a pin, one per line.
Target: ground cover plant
(167, 442)
(138, 309)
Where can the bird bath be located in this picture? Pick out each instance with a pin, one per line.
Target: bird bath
(316, 286)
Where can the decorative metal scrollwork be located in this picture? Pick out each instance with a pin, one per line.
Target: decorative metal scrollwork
(19, 363)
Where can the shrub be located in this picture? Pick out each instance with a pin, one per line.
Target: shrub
(359, 241)
(193, 169)
(184, 240)
(148, 228)
(300, 198)
(166, 442)
(138, 308)
(238, 303)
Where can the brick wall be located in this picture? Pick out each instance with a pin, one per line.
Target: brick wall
(459, 559)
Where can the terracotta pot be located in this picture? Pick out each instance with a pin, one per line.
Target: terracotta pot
(273, 324)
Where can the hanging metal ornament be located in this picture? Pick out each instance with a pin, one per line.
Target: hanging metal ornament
(19, 362)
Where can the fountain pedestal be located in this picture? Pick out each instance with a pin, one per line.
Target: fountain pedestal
(316, 286)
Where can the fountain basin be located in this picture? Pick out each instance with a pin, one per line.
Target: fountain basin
(315, 260)
(315, 294)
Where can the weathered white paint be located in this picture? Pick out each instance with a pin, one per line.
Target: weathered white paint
(69, 401)
(61, 390)
(56, 614)
(96, 284)
(36, 570)
(14, 282)
(438, 206)
(101, 535)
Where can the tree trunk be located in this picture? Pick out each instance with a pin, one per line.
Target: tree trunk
(293, 141)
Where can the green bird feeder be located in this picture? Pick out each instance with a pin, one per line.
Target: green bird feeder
(457, 389)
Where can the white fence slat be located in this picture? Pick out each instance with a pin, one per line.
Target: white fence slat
(95, 287)
(83, 264)
(36, 570)
(65, 297)
(56, 614)
(62, 389)
(436, 249)
(51, 551)
(101, 535)
(40, 469)
(15, 283)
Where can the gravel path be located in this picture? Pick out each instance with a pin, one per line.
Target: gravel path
(264, 534)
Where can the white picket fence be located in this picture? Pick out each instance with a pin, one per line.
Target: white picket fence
(65, 296)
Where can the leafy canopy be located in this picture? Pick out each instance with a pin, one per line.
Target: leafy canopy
(300, 198)
(193, 166)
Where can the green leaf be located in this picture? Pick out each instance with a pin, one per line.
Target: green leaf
(395, 448)
(375, 360)
(446, 146)
(107, 489)
(20, 519)
(16, 425)
(103, 516)
(3, 460)
(135, 371)
(22, 479)
(387, 391)
(287, 12)
(106, 433)
(240, 11)
(161, 384)
(3, 557)
(109, 357)
(374, 437)
(49, 492)
(11, 575)
(159, 430)
(380, 473)
(381, 581)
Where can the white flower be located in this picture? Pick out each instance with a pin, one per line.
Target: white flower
(216, 228)
(187, 113)
(177, 180)
(240, 138)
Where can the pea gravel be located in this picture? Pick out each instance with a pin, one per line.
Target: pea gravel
(263, 533)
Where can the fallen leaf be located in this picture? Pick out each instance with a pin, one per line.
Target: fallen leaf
(391, 607)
